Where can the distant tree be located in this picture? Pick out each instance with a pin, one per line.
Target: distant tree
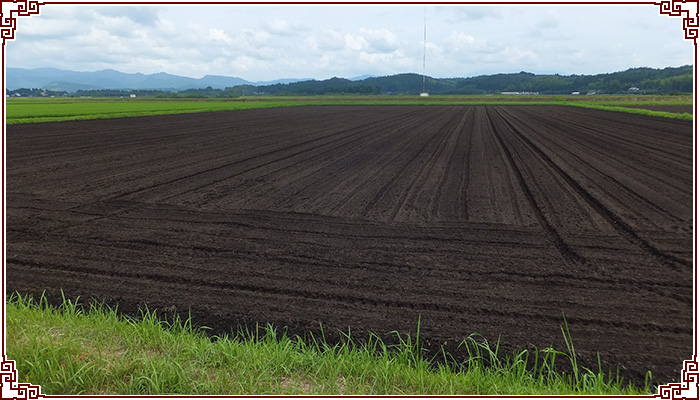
(648, 79)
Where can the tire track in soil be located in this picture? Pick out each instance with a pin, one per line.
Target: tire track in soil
(568, 254)
(372, 176)
(498, 273)
(427, 235)
(227, 165)
(348, 297)
(408, 177)
(215, 250)
(657, 287)
(353, 135)
(639, 151)
(611, 165)
(617, 223)
(455, 168)
(335, 170)
(381, 192)
(442, 137)
(112, 164)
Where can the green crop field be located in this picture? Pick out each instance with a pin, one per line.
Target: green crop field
(46, 110)
(26, 110)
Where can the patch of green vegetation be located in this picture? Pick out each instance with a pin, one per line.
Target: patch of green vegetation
(28, 110)
(640, 111)
(72, 350)
(48, 110)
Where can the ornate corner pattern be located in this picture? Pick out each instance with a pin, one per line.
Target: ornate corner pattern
(677, 388)
(11, 378)
(11, 22)
(676, 11)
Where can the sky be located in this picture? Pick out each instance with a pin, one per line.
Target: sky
(267, 42)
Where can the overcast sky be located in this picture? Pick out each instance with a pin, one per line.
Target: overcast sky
(270, 42)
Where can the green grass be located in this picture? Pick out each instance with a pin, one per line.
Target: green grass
(92, 350)
(48, 110)
(640, 111)
(27, 110)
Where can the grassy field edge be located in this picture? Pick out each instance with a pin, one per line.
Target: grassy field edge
(71, 350)
(55, 110)
(638, 111)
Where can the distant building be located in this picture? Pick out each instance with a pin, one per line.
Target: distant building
(521, 93)
(133, 96)
(575, 92)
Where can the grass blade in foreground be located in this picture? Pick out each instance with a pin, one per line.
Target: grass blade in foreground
(75, 350)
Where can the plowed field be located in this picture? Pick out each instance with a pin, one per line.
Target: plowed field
(498, 220)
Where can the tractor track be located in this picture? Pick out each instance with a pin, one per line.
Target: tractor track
(497, 220)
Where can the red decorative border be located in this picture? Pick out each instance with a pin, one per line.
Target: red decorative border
(675, 11)
(11, 378)
(677, 388)
(8, 22)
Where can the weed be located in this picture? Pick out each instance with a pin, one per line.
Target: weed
(72, 349)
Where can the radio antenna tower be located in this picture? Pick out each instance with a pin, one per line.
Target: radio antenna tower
(425, 37)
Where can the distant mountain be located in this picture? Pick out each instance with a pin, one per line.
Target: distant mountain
(219, 82)
(361, 77)
(280, 81)
(60, 86)
(71, 81)
(633, 80)
(22, 78)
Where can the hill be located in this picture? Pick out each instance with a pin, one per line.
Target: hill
(71, 81)
(638, 80)
(114, 83)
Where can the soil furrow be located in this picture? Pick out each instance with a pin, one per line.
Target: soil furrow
(567, 253)
(615, 221)
(477, 219)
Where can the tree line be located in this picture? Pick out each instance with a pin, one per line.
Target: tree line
(669, 80)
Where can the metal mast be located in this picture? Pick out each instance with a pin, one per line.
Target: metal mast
(425, 37)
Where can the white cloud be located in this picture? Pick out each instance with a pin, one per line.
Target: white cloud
(355, 42)
(282, 27)
(256, 38)
(330, 40)
(460, 14)
(311, 43)
(461, 42)
(380, 40)
(219, 35)
(141, 15)
(166, 28)
(270, 42)
(377, 58)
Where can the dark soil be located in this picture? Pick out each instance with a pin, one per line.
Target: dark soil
(495, 220)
